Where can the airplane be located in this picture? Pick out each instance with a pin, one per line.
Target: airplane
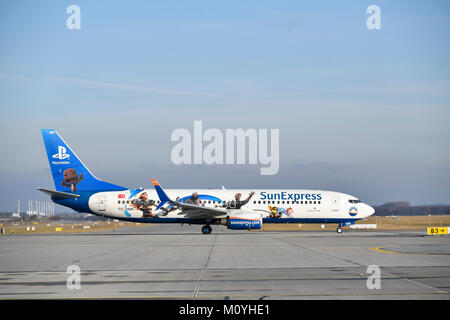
(77, 188)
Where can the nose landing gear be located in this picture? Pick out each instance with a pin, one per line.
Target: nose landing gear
(206, 229)
(339, 229)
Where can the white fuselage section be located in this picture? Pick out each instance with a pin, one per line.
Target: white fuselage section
(306, 205)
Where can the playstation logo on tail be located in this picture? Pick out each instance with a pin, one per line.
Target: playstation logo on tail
(61, 155)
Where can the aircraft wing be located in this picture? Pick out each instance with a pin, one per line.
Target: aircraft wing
(194, 211)
(189, 210)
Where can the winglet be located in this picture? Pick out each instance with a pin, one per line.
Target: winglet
(161, 194)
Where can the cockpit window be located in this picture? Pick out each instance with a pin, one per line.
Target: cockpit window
(354, 201)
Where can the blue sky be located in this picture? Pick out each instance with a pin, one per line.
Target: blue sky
(359, 111)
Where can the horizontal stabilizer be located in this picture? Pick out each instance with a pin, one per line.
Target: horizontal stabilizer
(58, 194)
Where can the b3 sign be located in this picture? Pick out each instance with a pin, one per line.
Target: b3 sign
(437, 230)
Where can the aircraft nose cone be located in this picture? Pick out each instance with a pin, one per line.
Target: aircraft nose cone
(370, 210)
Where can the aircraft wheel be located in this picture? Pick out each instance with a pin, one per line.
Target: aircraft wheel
(339, 230)
(206, 229)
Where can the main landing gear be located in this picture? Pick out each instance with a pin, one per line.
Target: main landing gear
(339, 229)
(206, 229)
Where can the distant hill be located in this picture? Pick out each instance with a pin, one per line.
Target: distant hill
(397, 204)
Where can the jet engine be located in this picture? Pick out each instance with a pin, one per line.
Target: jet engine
(240, 219)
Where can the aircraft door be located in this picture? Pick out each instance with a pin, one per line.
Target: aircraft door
(335, 203)
(102, 203)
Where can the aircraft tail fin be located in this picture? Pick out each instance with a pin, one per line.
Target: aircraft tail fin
(69, 173)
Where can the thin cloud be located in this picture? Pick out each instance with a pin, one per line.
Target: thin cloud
(122, 86)
(12, 76)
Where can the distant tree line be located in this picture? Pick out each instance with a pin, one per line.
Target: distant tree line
(398, 210)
